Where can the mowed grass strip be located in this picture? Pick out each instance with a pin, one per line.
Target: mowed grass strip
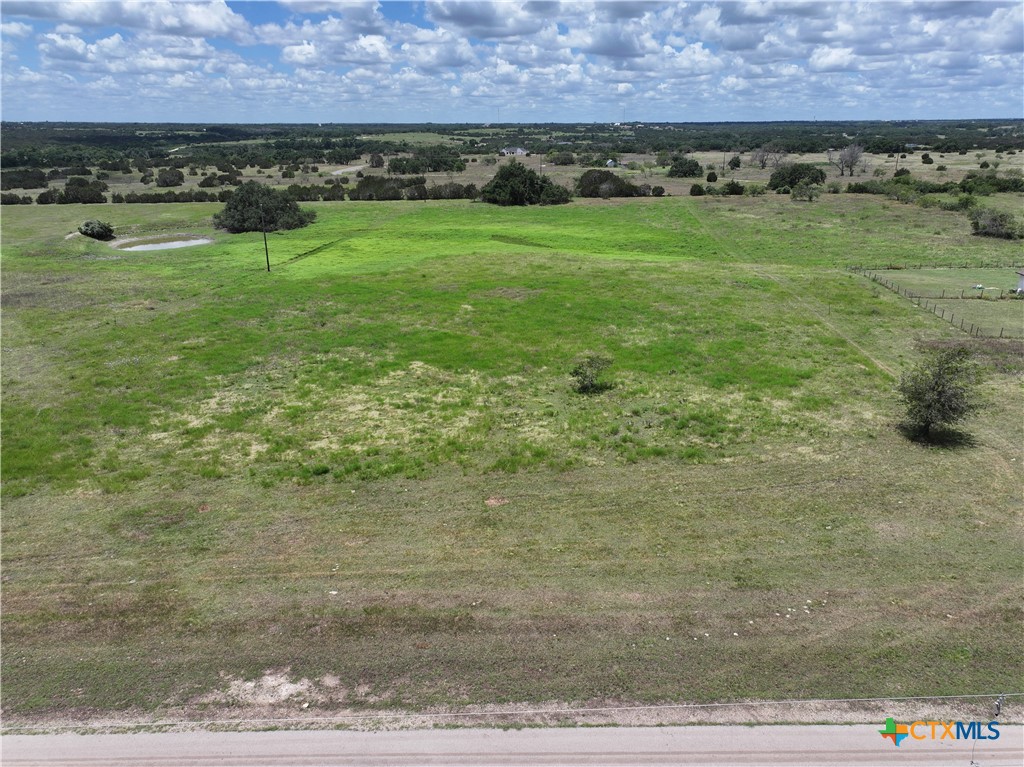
(198, 453)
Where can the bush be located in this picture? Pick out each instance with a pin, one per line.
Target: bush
(734, 162)
(805, 191)
(697, 191)
(98, 230)
(901, 173)
(604, 183)
(712, 177)
(10, 198)
(995, 223)
(23, 179)
(658, 191)
(755, 190)
(587, 374)
(792, 174)
(554, 194)
(515, 184)
(377, 188)
(733, 187)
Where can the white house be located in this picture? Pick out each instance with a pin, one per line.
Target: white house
(515, 151)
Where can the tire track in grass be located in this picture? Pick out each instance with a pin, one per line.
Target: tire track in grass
(816, 313)
(797, 299)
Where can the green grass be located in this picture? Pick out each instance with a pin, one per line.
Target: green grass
(369, 464)
(951, 294)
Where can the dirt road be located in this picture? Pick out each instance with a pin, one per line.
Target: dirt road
(778, 746)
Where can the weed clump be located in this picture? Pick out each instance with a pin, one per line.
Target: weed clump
(587, 374)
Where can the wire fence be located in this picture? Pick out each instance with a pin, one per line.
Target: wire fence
(927, 301)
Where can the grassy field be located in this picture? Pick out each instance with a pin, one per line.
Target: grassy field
(367, 472)
(953, 294)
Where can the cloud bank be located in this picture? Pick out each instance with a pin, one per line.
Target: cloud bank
(528, 61)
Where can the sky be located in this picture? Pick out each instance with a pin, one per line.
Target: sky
(477, 61)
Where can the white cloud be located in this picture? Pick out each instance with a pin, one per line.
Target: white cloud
(212, 18)
(486, 20)
(831, 59)
(15, 29)
(548, 60)
(305, 53)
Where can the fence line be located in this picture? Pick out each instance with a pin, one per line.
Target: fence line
(906, 267)
(921, 300)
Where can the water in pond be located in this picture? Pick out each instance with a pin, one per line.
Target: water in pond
(168, 245)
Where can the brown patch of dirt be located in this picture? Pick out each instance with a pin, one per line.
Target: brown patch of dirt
(511, 293)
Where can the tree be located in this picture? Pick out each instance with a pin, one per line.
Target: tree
(254, 207)
(170, 177)
(940, 391)
(684, 167)
(515, 184)
(734, 162)
(845, 159)
(376, 161)
(769, 154)
(791, 174)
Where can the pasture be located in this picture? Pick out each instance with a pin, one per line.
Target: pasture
(366, 472)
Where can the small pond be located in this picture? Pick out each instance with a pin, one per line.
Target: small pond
(168, 245)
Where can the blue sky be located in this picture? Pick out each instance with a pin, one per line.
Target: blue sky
(510, 61)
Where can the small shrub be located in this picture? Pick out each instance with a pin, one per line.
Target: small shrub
(995, 223)
(587, 374)
(984, 164)
(658, 191)
(901, 172)
(696, 190)
(805, 191)
(712, 177)
(98, 230)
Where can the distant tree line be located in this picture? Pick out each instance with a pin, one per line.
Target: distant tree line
(110, 146)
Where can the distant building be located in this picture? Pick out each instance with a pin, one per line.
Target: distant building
(1020, 282)
(514, 151)
(610, 164)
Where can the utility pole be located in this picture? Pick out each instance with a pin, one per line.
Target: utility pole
(263, 226)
